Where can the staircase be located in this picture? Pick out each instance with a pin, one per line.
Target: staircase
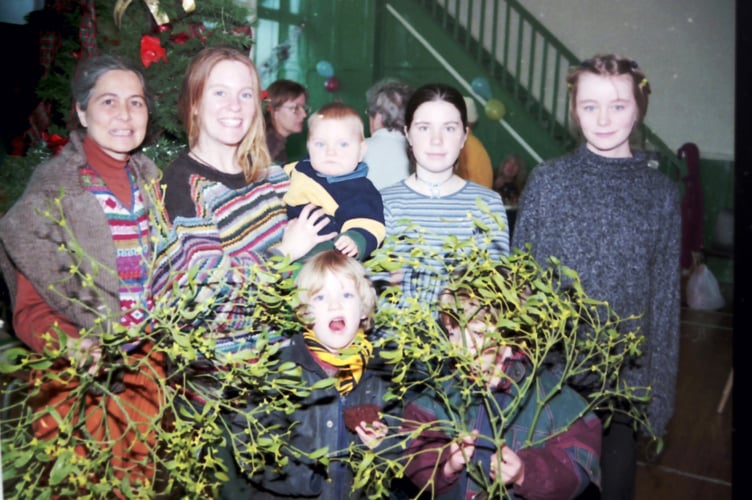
(523, 58)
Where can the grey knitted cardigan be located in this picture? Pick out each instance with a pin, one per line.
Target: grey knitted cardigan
(33, 244)
(617, 222)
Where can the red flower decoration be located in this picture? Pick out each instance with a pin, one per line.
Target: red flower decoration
(54, 142)
(152, 50)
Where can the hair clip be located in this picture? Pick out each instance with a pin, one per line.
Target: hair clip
(264, 95)
(585, 63)
(633, 64)
(570, 86)
(642, 83)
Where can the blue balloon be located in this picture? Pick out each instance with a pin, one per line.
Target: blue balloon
(481, 87)
(325, 69)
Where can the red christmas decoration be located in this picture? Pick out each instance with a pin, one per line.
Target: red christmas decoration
(54, 142)
(152, 50)
(180, 38)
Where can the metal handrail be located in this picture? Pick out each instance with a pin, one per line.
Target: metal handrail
(529, 62)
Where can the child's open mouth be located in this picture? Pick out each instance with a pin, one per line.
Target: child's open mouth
(337, 325)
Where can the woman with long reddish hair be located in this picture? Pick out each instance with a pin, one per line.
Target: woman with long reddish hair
(223, 196)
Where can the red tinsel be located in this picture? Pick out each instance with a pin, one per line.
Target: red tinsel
(152, 50)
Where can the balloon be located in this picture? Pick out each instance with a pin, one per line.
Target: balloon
(481, 87)
(495, 109)
(325, 69)
(331, 84)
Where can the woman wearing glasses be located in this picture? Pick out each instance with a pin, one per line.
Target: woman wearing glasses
(286, 110)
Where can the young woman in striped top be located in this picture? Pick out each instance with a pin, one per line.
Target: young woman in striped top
(227, 173)
(434, 202)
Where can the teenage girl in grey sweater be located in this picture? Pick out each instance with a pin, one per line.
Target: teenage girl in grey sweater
(604, 212)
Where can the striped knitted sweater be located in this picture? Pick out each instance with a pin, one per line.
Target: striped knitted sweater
(409, 213)
(617, 223)
(221, 231)
(131, 231)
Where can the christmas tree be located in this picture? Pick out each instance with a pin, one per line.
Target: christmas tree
(159, 35)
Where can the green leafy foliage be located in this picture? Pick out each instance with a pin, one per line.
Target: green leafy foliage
(546, 307)
(15, 172)
(544, 312)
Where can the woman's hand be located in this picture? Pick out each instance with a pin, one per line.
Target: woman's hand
(302, 234)
(371, 434)
(459, 453)
(512, 468)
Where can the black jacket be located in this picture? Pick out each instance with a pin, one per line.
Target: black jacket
(318, 422)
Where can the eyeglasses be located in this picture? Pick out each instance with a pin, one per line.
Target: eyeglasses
(295, 108)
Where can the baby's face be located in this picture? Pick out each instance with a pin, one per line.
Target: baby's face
(335, 147)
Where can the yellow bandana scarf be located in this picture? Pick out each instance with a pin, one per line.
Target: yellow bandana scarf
(350, 362)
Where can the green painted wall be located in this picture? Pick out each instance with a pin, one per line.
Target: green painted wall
(403, 56)
(364, 41)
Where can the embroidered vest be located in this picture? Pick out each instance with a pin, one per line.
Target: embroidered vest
(130, 231)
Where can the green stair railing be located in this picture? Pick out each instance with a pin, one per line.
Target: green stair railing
(519, 53)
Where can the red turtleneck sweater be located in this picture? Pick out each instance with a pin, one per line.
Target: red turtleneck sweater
(32, 316)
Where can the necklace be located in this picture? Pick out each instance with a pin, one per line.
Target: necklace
(434, 188)
(200, 160)
(207, 164)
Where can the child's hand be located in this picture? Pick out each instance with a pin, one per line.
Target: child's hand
(87, 352)
(347, 246)
(459, 453)
(396, 277)
(512, 468)
(372, 434)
